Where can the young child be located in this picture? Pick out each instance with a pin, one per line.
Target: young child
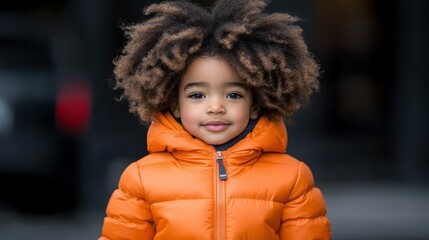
(215, 85)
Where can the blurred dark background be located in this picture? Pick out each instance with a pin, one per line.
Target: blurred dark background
(64, 139)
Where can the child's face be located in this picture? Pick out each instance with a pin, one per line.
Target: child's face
(214, 105)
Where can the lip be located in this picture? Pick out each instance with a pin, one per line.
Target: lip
(215, 125)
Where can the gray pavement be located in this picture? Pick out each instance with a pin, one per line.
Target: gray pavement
(378, 211)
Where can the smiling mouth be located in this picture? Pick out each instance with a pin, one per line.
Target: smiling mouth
(216, 126)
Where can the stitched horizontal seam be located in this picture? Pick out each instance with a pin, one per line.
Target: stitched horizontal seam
(188, 199)
(305, 193)
(305, 219)
(131, 196)
(119, 219)
(256, 199)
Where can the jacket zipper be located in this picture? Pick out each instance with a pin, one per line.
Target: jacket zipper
(222, 171)
(220, 194)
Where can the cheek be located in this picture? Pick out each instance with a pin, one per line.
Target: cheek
(246, 110)
(188, 115)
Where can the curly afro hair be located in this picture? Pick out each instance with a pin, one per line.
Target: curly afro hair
(267, 51)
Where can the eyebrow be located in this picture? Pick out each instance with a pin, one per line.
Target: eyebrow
(204, 84)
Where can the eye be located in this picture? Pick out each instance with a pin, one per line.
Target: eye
(234, 95)
(196, 96)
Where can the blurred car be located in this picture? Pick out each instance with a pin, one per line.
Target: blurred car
(38, 123)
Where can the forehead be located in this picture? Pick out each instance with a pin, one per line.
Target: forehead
(210, 70)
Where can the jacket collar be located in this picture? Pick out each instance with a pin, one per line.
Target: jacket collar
(166, 134)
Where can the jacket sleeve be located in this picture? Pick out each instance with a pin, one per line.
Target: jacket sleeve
(128, 213)
(304, 214)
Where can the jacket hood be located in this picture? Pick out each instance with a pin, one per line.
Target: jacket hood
(166, 134)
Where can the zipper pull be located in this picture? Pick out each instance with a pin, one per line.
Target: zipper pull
(222, 171)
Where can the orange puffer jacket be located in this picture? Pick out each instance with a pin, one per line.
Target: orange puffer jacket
(176, 192)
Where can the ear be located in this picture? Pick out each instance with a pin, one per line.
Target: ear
(176, 113)
(254, 114)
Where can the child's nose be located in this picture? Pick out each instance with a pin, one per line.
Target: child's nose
(216, 105)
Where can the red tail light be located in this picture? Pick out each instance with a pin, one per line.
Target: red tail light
(73, 106)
